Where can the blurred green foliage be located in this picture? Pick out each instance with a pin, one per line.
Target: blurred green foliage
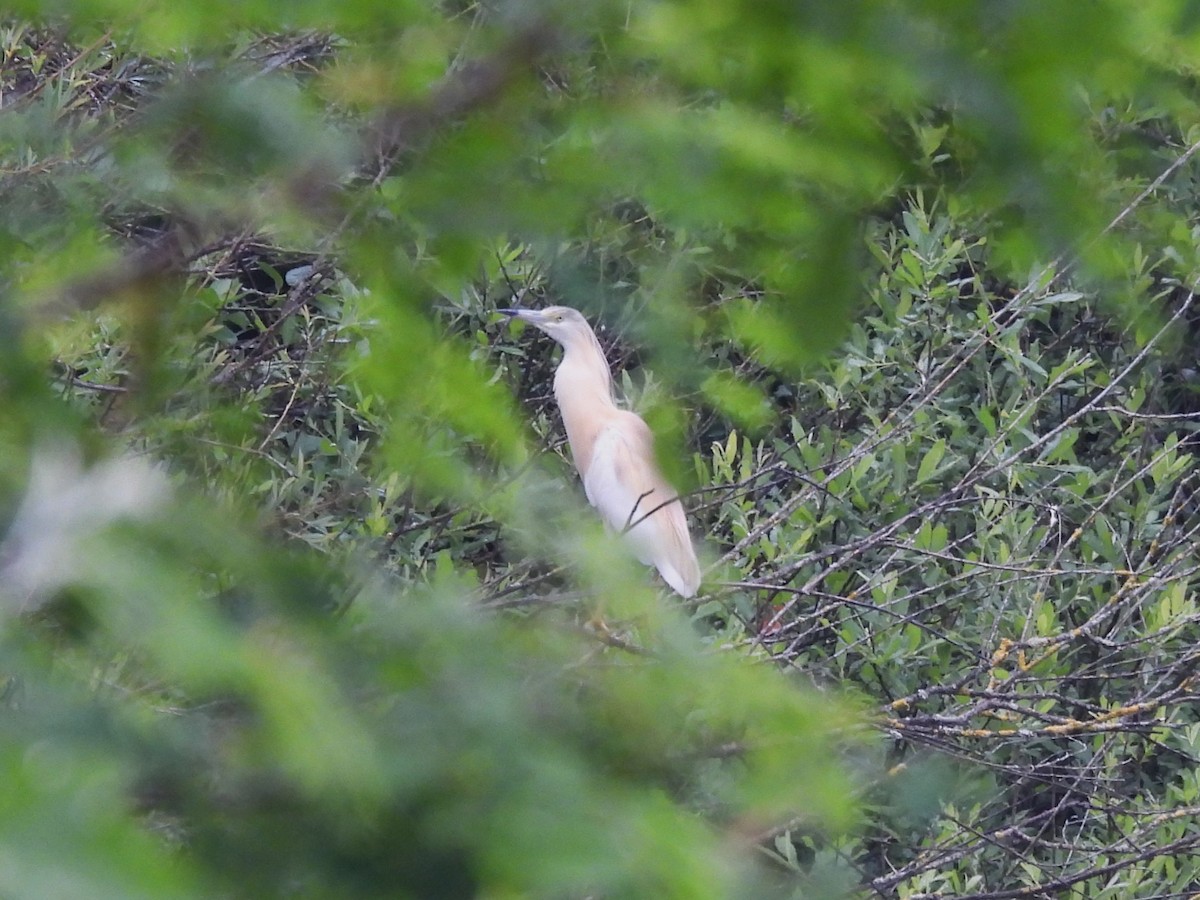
(292, 602)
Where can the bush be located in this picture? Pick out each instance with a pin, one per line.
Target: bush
(293, 601)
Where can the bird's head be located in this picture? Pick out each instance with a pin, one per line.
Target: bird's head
(560, 322)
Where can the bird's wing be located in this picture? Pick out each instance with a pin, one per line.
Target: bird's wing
(625, 486)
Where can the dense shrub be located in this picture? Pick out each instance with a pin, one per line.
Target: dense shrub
(298, 594)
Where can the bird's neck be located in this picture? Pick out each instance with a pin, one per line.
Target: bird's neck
(583, 363)
(583, 389)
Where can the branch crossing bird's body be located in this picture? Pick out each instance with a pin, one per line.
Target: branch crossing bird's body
(614, 452)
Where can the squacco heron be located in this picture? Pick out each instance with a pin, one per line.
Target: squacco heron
(613, 451)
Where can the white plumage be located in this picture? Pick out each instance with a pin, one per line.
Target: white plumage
(614, 452)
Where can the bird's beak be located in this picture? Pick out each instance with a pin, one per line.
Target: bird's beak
(532, 316)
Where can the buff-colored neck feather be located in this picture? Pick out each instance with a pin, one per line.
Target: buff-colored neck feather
(583, 389)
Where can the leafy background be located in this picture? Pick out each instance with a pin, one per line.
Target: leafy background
(299, 596)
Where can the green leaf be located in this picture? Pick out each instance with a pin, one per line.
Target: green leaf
(930, 461)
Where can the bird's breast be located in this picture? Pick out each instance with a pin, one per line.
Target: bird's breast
(587, 409)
